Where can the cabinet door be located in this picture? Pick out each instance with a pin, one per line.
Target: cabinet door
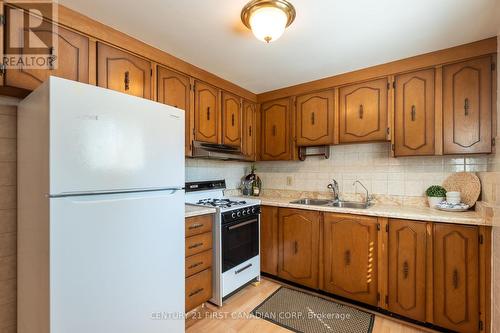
(350, 254)
(467, 107)
(407, 268)
(249, 130)
(206, 113)
(456, 277)
(363, 112)
(414, 114)
(315, 119)
(276, 130)
(299, 246)
(174, 90)
(269, 240)
(121, 71)
(231, 120)
(72, 53)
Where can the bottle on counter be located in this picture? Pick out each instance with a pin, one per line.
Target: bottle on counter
(251, 184)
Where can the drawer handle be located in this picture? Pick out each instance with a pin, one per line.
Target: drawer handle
(413, 112)
(197, 291)
(196, 265)
(455, 278)
(466, 107)
(195, 226)
(242, 269)
(361, 111)
(195, 245)
(406, 270)
(127, 80)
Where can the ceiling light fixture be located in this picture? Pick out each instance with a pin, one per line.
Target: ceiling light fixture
(268, 18)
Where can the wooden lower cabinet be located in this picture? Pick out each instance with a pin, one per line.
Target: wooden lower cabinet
(269, 240)
(350, 257)
(456, 277)
(199, 258)
(298, 246)
(407, 268)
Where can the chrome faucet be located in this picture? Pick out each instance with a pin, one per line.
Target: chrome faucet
(334, 186)
(368, 197)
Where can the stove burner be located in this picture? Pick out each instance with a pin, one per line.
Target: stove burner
(223, 203)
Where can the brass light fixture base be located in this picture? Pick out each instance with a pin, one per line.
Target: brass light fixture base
(253, 5)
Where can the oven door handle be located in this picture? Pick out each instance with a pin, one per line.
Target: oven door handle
(242, 224)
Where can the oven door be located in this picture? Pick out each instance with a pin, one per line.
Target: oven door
(240, 241)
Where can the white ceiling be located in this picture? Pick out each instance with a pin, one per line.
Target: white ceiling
(328, 37)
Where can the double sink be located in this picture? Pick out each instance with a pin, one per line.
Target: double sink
(332, 203)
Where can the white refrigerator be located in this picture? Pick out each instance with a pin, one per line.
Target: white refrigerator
(100, 212)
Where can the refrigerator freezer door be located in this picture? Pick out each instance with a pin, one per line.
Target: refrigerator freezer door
(117, 263)
(102, 140)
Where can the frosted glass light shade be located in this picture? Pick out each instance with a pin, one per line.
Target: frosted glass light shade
(268, 23)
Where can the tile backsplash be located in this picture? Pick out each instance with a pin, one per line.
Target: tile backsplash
(371, 163)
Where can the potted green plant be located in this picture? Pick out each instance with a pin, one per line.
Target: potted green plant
(435, 195)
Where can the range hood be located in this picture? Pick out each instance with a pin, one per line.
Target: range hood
(216, 151)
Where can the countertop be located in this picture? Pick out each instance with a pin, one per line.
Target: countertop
(390, 211)
(192, 210)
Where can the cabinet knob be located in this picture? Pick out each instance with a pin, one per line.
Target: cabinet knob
(406, 270)
(347, 258)
(249, 130)
(455, 278)
(361, 111)
(232, 120)
(466, 106)
(312, 118)
(274, 130)
(208, 113)
(295, 247)
(126, 80)
(413, 112)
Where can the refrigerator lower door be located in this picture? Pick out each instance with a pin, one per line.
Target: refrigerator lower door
(117, 263)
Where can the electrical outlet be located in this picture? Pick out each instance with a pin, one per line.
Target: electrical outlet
(289, 181)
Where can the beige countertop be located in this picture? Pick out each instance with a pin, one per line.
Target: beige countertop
(390, 211)
(191, 210)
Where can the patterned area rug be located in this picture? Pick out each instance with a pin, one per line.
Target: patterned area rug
(301, 312)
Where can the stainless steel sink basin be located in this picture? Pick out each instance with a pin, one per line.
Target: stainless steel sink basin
(326, 202)
(350, 204)
(312, 202)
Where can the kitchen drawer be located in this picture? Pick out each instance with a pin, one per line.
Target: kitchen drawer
(198, 289)
(198, 243)
(198, 225)
(198, 262)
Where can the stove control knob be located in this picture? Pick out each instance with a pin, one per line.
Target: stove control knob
(233, 215)
(253, 210)
(248, 211)
(244, 212)
(238, 213)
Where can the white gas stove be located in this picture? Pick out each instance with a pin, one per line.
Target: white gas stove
(236, 237)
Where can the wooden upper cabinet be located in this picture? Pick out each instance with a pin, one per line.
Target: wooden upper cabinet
(350, 257)
(269, 240)
(315, 119)
(414, 114)
(71, 51)
(206, 113)
(456, 277)
(299, 246)
(121, 71)
(249, 130)
(231, 119)
(174, 89)
(363, 112)
(276, 132)
(407, 268)
(467, 107)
